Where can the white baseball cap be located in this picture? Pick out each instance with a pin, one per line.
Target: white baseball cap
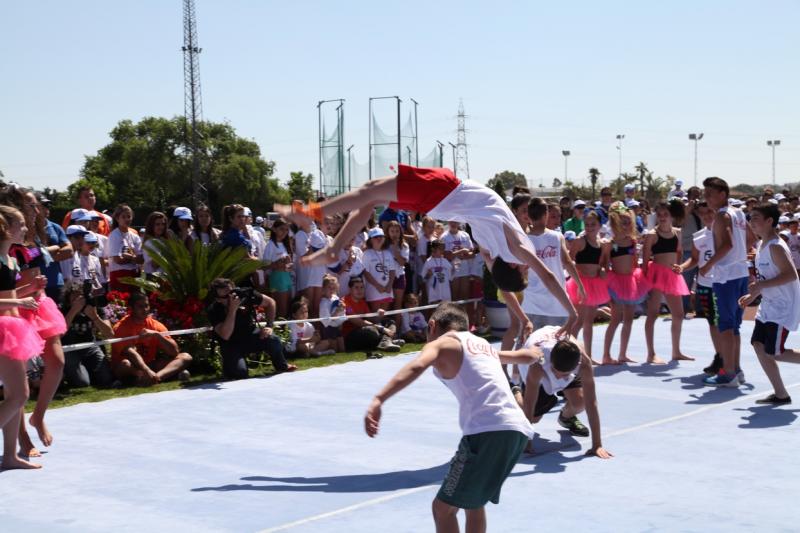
(630, 187)
(75, 229)
(578, 203)
(80, 215)
(182, 213)
(779, 196)
(259, 220)
(570, 235)
(679, 183)
(375, 232)
(247, 212)
(634, 203)
(773, 201)
(783, 219)
(90, 237)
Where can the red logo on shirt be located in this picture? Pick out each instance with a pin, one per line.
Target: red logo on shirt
(479, 346)
(546, 252)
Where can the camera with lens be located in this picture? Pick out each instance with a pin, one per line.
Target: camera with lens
(89, 294)
(247, 296)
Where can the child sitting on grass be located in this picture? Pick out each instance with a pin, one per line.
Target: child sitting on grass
(412, 323)
(331, 311)
(304, 340)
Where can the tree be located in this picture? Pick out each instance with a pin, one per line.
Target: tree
(642, 170)
(508, 180)
(145, 166)
(594, 175)
(557, 183)
(301, 186)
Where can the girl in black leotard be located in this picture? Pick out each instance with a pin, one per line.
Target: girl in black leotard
(19, 341)
(661, 255)
(627, 286)
(590, 254)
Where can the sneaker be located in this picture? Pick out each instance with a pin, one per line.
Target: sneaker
(722, 380)
(574, 426)
(184, 376)
(772, 399)
(714, 368)
(399, 342)
(374, 355)
(290, 368)
(740, 376)
(387, 346)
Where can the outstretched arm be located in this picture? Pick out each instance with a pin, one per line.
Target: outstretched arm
(404, 377)
(592, 412)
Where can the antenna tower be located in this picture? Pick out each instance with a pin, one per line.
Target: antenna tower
(192, 102)
(462, 162)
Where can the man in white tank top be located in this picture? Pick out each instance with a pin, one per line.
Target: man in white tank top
(495, 429)
(563, 368)
(541, 308)
(437, 192)
(779, 311)
(728, 267)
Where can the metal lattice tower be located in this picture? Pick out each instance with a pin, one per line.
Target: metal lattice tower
(192, 102)
(462, 162)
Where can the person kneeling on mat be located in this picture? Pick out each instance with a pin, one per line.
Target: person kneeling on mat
(563, 368)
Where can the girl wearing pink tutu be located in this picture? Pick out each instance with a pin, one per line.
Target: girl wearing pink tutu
(590, 255)
(32, 257)
(627, 285)
(18, 339)
(660, 257)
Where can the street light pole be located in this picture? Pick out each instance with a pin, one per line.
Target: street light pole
(453, 146)
(695, 137)
(565, 153)
(619, 147)
(440, 144)
(773, 144)
(349, 168)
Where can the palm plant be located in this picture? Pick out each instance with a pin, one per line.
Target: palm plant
(594, 175)
(642, 170)
(186, 274)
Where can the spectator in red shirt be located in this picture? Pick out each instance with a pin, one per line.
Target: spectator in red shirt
(152, 358)
(361, 334)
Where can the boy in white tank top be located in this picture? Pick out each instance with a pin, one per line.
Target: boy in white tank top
(779, 310)
(563, 367)
(437, 192)
(495, 429)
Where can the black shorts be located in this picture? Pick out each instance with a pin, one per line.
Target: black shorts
(771, 335)
(708, 304)
(331, 332)
(545, 402)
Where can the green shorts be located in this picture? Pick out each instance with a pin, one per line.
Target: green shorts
(479, 468)
(280, 281)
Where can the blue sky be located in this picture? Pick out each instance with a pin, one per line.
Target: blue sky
(536, 78)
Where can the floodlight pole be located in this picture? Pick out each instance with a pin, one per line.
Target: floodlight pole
(454, 147)
(441, 153)
(695, 137)
(773, 144)
(349, 168)
(619, 147)
(566, 154)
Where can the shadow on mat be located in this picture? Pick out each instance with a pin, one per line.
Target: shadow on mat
(767, 416)
(719, 394)
(689, 382)
(548, 457)
(389, 481)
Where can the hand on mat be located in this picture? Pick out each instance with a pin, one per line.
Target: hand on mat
(599, 451)
(373, 418)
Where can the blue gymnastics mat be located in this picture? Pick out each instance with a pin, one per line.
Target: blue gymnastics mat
(289, 453)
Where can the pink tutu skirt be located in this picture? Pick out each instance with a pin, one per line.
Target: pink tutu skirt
(596, 291)
(662, 278)
(18, 340)
(628, 288)
(47, 320)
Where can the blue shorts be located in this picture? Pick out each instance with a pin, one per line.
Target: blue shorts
(726, 295)
(280, 281)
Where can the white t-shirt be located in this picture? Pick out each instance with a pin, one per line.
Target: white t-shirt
(703, 241)
(780, 304)
(332, 307)
(149, 267)
(454, 242)
(380, 264)
(309, 276)
(405, 253)
(116, 241)
(793, 240)
(438, 284)
(299, 331)
(79, 267)
(485, 400)
(412, 321)
(734, 264)
(422, 249)
(544, 339)
(344, 273)
(537, 299)
(486, 213)
(258, 240)
(274, 251)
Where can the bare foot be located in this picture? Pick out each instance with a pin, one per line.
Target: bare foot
(16, 463)
(323, 256)
(625, 359)
(26, 447)
(681, 357)
(655, 360)
(292, 214)
(41, 429)
(607, 360)
(596, 363)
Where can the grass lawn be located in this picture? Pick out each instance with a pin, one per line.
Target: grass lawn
(91, 394)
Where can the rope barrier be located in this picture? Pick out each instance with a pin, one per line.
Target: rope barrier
(191, 331)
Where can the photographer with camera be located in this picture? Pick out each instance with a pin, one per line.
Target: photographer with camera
(88, 366)
(232, 315)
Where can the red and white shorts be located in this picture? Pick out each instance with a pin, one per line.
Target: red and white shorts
(422, 189)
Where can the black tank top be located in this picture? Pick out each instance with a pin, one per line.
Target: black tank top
(8, 277)
(618, 251)
(665, 246)
(588, 256)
